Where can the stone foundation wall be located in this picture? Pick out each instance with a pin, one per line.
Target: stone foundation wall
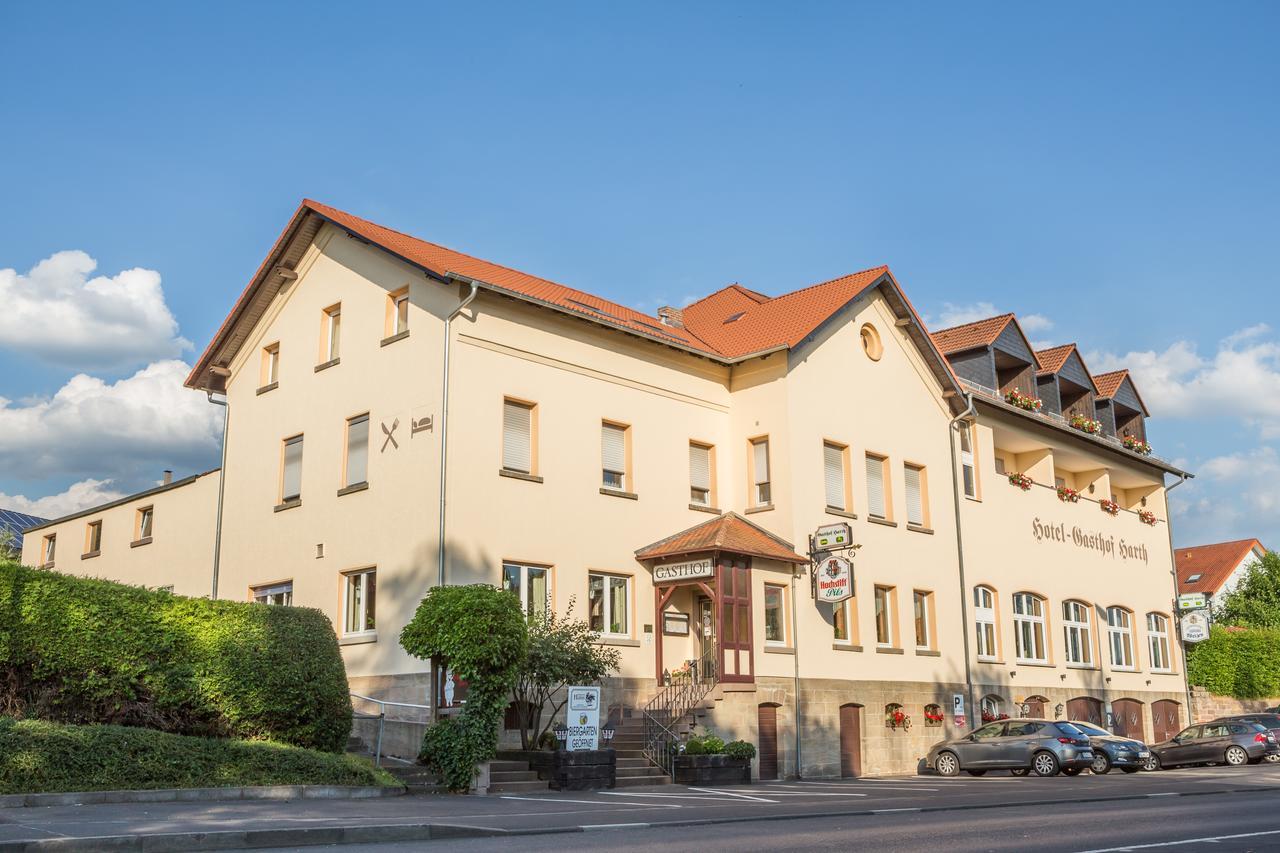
(1209, 706)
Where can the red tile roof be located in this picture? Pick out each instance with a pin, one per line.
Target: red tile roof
(1109, 383)
(1213, 563)
(980, 333)
(1052, 359)
(728, 532)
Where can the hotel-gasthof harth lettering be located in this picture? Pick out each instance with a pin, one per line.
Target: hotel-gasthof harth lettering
(401, 415)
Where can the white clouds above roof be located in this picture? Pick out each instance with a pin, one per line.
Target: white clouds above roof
(57, 313)
(78, 496)
(957, 315)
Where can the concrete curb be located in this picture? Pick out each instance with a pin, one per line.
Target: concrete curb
(176, 795)
(257, 838)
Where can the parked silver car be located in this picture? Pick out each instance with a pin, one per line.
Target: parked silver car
(1233, 742)
(1042, 747)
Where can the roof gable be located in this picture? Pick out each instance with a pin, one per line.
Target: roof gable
(1118, 384)
(728, 532)
(1211, 565)
(980, 333)
(1067, 361)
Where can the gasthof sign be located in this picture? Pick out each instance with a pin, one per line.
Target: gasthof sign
(669, 572)
(1192, 601)
(835, 580)
(831, 536)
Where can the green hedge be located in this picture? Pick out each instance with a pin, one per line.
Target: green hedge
(1244, 664)
(78, 650)
(43, 757)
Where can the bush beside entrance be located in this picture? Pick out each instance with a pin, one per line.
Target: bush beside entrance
(80, 650)
(1243, 662)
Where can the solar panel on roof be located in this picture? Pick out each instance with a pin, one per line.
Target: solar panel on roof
(16, 522)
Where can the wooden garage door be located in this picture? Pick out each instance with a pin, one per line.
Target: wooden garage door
(1034, 706)
(1166, 718)
(850, 740)
(768, 719)
(1128, 714)
(1085, 708)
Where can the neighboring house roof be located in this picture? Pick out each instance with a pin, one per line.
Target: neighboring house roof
(94, 510)
(1205, 568)
(979, 333)
(728, 532)
(728, 326)
(16, 523)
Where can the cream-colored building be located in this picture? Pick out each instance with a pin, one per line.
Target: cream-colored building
(401, 415)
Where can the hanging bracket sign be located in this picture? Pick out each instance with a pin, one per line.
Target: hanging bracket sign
(1192, 601)
(834, 580)
(832, 537)
(1194, 625)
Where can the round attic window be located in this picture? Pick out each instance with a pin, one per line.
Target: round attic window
(871, 342)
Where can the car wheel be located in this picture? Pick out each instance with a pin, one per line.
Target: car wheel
(1151, 762)
(1129, 769)
(976, 772)
(1019, 771)
(1072, 771)
(947, 764)
(1237, 756)
(1044, 764)
(1272, 759)
(1101, 764)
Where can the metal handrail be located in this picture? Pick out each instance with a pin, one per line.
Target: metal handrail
(381, 717)
(672, 704)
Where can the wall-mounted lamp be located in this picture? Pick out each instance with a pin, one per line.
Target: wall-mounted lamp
(1092, 488)
(1108, 679)
(1013, 673)
(1143, 501)
(1063, 676)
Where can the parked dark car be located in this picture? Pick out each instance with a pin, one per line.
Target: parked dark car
(1111, 750)
(1232, 742)
(1270, 719)
(1042, 747)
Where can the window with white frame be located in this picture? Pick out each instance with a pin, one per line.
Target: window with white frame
(270, 365)
(833, 475)
(1158, 642)
(1029, 628)
(761, 487)
(884, 606)
(276, 593)
(984, 617)
(399, 312)
(917, 508)
(877, 500)
(613, 456)
(358, 603)
(1077, 634)
(967, 470)
(700, 474)
(50, 548)
(775, 614)
(357, 461)
(291, 470)
(531, 584)
(331, 330)
(922, 609)
(143, 524)
(992, 708)
(609, 604)
(1120, 637)
(517, 436)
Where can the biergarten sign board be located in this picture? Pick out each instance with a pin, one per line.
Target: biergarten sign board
(686, 570)
(1195, 626)
(835, 580)
(583, 720)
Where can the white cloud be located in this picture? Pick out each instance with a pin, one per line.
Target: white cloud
(78, 496)
(1032, 323)
(127, 431)
(957, 315)
(58, 314)
(1234, 496)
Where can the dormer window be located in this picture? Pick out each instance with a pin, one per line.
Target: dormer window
(1193, 578)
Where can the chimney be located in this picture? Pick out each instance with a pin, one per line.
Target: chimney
(673, 317)
(168, 476)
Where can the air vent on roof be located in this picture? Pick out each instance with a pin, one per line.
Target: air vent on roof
(734, 317)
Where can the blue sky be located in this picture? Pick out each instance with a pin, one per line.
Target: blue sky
(1111, 168)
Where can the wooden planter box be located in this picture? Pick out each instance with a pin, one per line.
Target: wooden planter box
(712, 770)
(582, 770)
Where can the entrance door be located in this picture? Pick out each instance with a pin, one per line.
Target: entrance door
(1164, 717)
(704, 629)
(737, 661)
(767, 716)
(1085, 708)
(1128, 714)
(850, 741)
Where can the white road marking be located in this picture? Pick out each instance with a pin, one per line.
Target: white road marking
(676, 796)
(891, 811)
(591, 827)
(1165, 794)
(604, 803)
(733, 794)
(1212, 839)
(816, 794)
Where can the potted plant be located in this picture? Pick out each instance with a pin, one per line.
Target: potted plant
(1109, 507)
(1089, 425)
(933, 715)
(1068, 495)
(1023, 401)
(1146, 516)
(1022, 481)
(1137, 445)
(708, 760)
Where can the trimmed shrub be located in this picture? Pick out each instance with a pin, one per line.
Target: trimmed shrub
(740, 749)
(43, 757)
(79, 650)
(1243, 663)
(708, 744)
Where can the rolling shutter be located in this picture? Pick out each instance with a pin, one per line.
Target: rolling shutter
(700, 467)
(515, 437)
(613, 448)
(833, 475)
(915, 503)
(875, 487)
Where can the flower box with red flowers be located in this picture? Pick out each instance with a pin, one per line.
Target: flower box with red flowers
(1109, 507)
(1022, 481)
(1146, 516)
(1137, 445)
(898, 720)
(1023, 401)
(988, 717)
(1068, 495)
(933, 718)
(1089, 425)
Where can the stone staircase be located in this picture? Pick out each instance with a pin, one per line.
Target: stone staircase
(633, 768)
(514, 777)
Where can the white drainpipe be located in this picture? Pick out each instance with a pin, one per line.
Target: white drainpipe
(444, 416)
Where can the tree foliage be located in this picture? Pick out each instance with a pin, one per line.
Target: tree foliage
(1240, 663)
(1255, 600)
(477, 631)
(562, 651)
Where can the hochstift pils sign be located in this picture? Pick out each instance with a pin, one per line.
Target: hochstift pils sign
(835, 580)
(686, 570)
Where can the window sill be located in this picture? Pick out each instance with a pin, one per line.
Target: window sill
(928, 653)
(1124, 669)
(704, 508)
(619, 493)
(1037, 663)
(90, 555)
(778, 650)
(991, 661)
(398, 336)
(840, 513)
(888, 650)
(877, 520)
(138, 543)
(354, 487)
(333, 362)
(358, 639)
(519, 475)
(916, 528)
(1085, 667)
(973, 498)
(1163, 672)
(754, 509)
(289, 504)
(846, 647)
(45, 566)
(627, 642)
(265, 388)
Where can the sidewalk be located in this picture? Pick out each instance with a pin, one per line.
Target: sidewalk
(237, 824)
